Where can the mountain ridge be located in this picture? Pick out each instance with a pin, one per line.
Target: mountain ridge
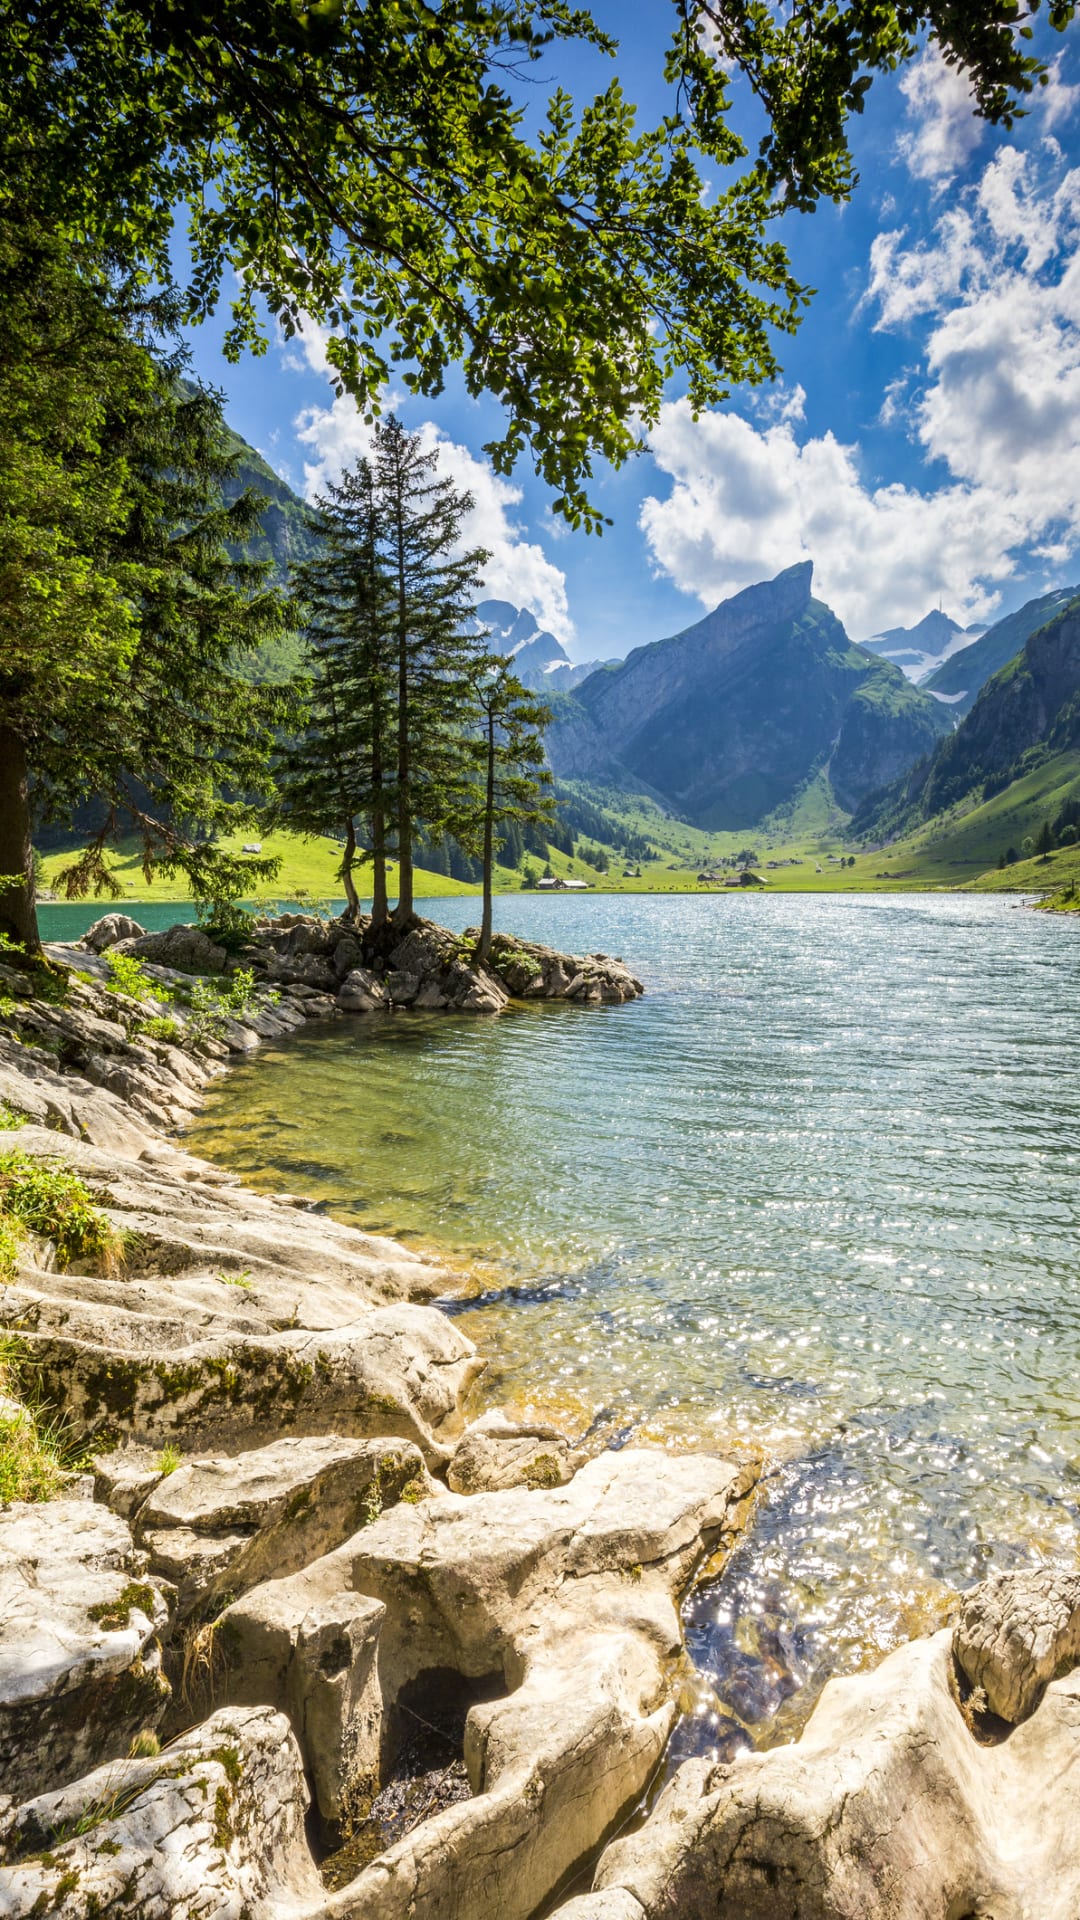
(919, 650)
(725, 720)
(1028, 709)
(960, 679)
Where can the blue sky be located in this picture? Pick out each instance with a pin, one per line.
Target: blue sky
(923, 444)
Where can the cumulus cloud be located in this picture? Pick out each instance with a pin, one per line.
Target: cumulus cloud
(743, 504)
(994, 397)
(519, 570)
(1057, 99)
(945, 129)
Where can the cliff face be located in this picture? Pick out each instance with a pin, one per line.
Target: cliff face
(960, 679)
(728, 719)
(1033, 702)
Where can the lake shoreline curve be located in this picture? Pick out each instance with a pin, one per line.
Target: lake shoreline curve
(298, 1640)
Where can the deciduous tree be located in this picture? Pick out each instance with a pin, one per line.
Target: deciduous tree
(367, 162)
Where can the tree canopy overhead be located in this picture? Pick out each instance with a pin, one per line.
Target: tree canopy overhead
(365, 162)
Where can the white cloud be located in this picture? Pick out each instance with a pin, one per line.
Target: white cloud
(781, 403)
(744, 504)
(993, 395)
(1000, 285)
(946, 129)
(1057, 100)
(518, 570)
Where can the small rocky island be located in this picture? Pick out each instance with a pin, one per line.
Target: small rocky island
(294, 1636)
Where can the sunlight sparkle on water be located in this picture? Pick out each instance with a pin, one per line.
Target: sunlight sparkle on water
(813, 1198)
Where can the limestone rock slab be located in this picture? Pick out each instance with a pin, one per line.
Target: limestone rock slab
(1014, 1633)
(887, 1808)
(79, 1665)
(226, 1522)
(214, 1826)
(496, 1452)
(111, 928)
(396, 1371)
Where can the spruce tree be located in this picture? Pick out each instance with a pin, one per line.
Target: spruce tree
(515, 780)
(124, 616)
(434, 585)
(341, 771)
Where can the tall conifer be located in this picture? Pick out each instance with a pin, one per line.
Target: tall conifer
(342, 771)
(434, 584)
(515, 783)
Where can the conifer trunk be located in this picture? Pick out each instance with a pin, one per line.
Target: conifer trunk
(18, 906)
(379, 907)
(403, 912)
(484, 947)
(348, 860)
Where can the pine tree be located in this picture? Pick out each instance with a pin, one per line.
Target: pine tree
(124, 617)
(434, 585)
(339, 772)
(509, 751)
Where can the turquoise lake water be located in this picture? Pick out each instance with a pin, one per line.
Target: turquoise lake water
(815, 1196)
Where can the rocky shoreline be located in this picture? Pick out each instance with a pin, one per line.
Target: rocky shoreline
(298, 1640)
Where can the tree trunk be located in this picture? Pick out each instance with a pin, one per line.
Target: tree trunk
(484, 947)
(18, 910)
(379, 908)
(347, 861)
(403, 912)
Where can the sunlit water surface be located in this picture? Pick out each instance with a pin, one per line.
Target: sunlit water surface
(815, 1196)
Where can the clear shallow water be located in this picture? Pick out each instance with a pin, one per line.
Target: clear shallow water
(814, 1196)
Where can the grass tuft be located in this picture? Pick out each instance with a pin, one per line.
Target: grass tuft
(53, 1202)
(36, 1453)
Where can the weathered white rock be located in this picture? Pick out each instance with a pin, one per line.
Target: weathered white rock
(1014, 1632)
(111, 928)
(67, 1104)
(122, 1479)
(187, 949)
(304, 969)
(213, 1827)
(193, 1227)
(310, 1646)
(496, 1452)
(567, 1597)
(400, 1370)
(887, 1808)
(227, 1522)
(79, 1673)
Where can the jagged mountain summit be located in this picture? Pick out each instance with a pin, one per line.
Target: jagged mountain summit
(729, 720)
(920, 649)
(1028, 711)
(540, 661)
(959, 680)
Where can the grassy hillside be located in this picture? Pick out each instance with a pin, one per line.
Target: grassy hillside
(960, 849)
(308, 867)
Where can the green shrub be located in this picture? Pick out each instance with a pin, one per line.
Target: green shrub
(226, 922)
(161, 1027)
(9, 1119)
(53, 1202)
(130, 977)
(11, 1242)
(212, 1005)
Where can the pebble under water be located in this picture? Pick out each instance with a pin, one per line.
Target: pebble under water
(814, 1197)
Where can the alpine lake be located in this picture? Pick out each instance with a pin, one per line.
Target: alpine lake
(813, 1198)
